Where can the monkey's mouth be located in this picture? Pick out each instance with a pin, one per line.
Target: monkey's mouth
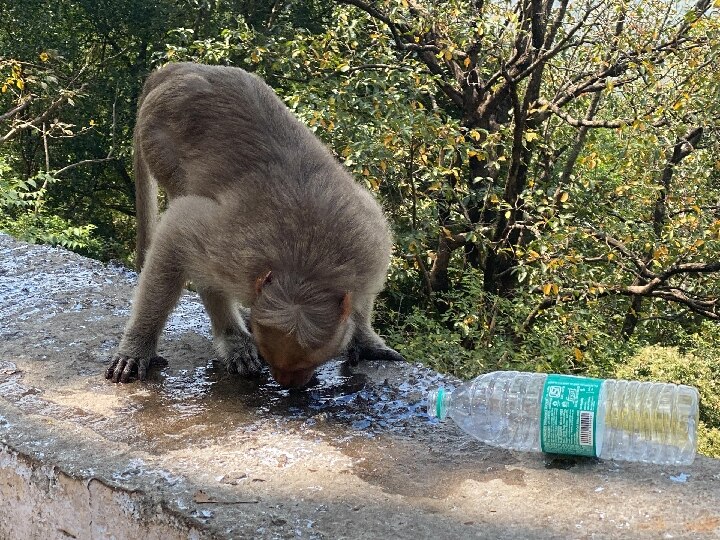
(293, 378)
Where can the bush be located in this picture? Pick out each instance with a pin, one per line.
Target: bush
(698, 367)
(468, 331)
(42, 228)
(23, 214)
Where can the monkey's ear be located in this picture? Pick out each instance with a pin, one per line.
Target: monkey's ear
(261, 281)
(345, 306)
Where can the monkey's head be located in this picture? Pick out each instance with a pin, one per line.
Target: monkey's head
(298, 325)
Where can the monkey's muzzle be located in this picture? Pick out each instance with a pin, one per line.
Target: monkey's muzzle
(292, 379)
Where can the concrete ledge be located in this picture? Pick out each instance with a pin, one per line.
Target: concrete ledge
(41, 501)
(196, 453)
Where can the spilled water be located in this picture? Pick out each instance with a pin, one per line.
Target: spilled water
(340, 402)
(174, 406)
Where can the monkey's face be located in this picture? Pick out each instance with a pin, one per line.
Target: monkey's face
(291, 365)
(298, 325)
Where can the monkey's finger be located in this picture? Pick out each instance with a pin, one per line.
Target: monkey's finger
(257, 362)
(118, 372)
(119, 368)
(387, 354)
(142, 371)
(130, 367)
(110, 371)
(353, 355)
(249, 366)
(232, 365)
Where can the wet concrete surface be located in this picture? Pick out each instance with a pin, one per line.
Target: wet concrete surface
(195, 452)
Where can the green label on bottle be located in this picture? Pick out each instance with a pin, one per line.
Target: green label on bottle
(568, 415)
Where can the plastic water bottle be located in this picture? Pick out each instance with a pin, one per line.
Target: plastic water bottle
(563, 414)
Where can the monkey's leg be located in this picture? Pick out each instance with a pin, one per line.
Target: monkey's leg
(233, 342)
(366, 344)
(161, 282)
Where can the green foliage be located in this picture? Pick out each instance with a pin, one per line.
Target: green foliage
(427, 339)
(708, 440)
(475, 333)
(698, 366)
(54, 230)
(23, 215)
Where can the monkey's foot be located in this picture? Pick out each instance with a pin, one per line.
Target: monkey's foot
(357, 352)
(239, 354)
(123, 367)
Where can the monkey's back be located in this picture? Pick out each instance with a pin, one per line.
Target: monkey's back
(222, 133)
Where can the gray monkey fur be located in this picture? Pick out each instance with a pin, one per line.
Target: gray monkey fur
(260, 215)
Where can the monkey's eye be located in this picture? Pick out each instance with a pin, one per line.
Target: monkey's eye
(268, 279)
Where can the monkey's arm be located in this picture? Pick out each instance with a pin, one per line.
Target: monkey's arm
(160, 285)
(366, 344)
(231, 336)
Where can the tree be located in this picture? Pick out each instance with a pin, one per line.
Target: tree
(550, 167)
(528, 82)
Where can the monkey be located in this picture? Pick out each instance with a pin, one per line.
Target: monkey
(286, 250)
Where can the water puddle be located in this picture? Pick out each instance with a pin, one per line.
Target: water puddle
(206, 404)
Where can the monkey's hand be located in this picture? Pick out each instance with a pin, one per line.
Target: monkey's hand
(237, 351)
(367, 345)
(375, 351)
(124, 367)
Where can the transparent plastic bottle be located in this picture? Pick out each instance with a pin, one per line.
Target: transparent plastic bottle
(610, 419)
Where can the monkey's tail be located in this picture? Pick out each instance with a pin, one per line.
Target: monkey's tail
(146, 206)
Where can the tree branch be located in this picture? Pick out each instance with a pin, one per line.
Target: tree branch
(639, 263)
(59, 102)
(585, 122)
(80, 163)
(12, 112)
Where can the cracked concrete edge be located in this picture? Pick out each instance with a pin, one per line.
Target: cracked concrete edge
(57, 499)
(42, 501)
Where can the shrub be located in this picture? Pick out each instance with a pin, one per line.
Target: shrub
(671, 364)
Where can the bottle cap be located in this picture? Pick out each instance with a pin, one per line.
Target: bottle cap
(437, 403)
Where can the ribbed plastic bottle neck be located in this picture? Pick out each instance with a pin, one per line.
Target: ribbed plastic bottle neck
(437, 403)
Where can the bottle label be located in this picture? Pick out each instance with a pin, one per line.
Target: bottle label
(568, 415)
